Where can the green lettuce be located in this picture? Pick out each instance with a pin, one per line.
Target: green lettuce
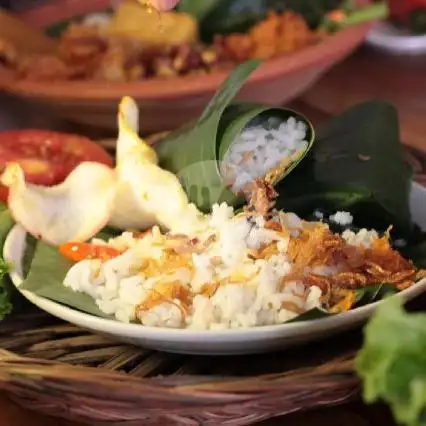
(392, 362)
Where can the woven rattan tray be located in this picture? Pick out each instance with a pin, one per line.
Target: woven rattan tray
(62, 370)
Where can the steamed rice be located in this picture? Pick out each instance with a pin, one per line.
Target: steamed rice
(261, 148)
(227, 287)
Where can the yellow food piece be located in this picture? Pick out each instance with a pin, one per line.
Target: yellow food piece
(74, 210)
(146, 194)
(168, 28)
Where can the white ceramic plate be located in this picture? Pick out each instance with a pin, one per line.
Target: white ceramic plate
(243, 341)
(388, 38)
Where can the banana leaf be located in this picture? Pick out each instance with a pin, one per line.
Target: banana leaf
(198, 9)
(194, 152)
(231, 16)
(47, 269)
(373, 293)
(6, 287)
(238, 116)
(356, 164)
(416, 253)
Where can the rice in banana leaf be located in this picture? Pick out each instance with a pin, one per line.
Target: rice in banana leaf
(231, 144)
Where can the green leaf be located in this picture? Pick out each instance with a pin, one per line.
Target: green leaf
(355, 16)
(47, 271)
(236, 16)
(5, 298)
(372, 293)
(193, 153)
(356, 164)
(310, 315)
(392, 362)
(6, 288)
(198, 9)
(27, 259)
(416, 253)
(417, 20)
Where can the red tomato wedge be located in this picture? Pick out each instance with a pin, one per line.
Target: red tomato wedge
(47, 157)
(81, 251)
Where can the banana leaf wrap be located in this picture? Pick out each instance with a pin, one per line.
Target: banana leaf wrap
(194, 153)
(357, 164)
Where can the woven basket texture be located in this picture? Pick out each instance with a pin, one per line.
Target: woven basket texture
(62, 370)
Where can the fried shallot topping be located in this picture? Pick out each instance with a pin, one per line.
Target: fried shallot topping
(316, 250)
(318, 257)
(262, 198)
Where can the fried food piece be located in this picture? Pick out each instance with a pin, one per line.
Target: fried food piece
(82, 48)
(8, 54)
(139, 44)
(121, 62)
(357, 267)
(240, 47)
(174, 293)
(168, 28)
(44, 68)
(352, 267)
(277, 34)
(82, 43)
(112, 66)
(262, 197)
(265, 37)
(294, 33)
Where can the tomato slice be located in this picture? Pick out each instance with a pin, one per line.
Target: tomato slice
(81, 251)
(47, 157)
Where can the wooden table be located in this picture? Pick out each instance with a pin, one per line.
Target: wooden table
(365, 75)
(372, 75)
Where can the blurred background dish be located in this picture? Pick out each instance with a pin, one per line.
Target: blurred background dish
(405, 30)
(389, 38)
(171, 84)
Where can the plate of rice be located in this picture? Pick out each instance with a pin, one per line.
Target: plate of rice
(192, 246)
(236, 285)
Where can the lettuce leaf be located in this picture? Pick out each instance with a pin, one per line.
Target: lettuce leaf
(392, 362)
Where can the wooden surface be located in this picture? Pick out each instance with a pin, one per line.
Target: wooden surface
(364, 76)
(368, 75)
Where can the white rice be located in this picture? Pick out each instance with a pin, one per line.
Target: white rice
(99, 20)
(363, 238)
(259, 149)
(342, 218)
(254, 296)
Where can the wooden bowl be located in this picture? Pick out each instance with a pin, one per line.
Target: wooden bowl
(168, 103)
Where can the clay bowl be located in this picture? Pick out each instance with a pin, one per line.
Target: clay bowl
(167, 104)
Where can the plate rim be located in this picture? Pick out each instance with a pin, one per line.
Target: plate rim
(384, 36)
(139, 331)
